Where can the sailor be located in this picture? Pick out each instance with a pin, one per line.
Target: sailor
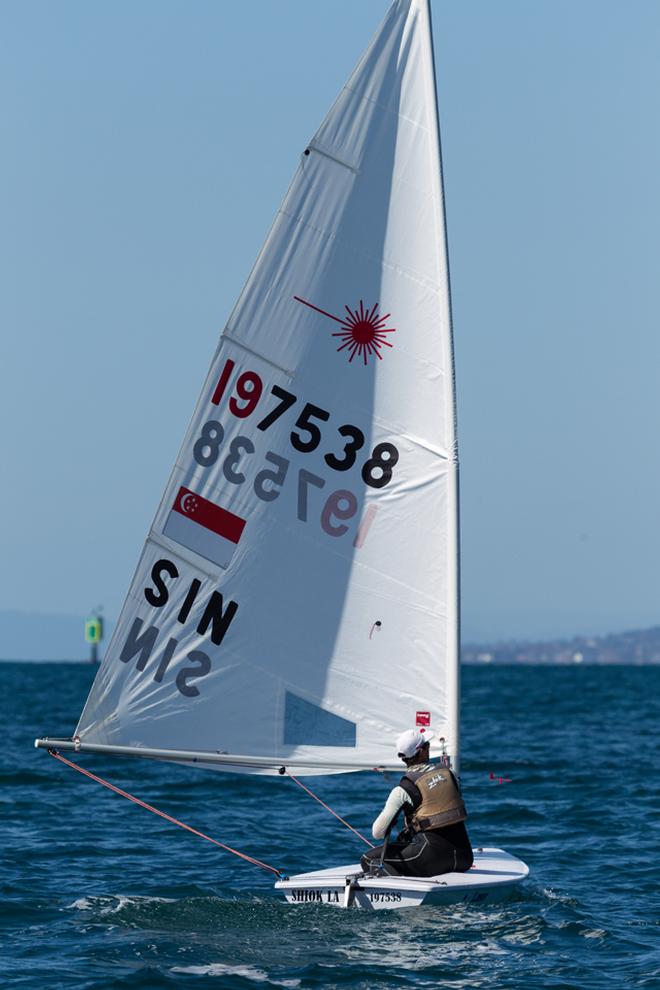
(434, 839)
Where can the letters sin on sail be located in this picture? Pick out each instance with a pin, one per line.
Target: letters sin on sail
(296, 596)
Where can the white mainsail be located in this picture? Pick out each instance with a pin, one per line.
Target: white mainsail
(295, 603)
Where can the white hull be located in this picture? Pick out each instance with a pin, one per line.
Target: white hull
(494, 877)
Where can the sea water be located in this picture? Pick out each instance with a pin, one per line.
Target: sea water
(99, 893)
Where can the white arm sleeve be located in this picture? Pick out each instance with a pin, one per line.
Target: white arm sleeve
(395, 802)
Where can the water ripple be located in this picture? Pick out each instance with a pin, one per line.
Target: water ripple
(98, 894)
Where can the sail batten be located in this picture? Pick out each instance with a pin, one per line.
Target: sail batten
(296, 598)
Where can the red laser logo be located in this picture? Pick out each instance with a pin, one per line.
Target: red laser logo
(363, 330)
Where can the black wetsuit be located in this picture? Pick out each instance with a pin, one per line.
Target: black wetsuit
(424, 854)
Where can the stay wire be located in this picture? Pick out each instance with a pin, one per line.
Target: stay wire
(162, 814)
(328, 808)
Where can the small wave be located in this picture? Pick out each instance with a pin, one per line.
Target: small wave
(114, 903)
(194, 912)
(553, 895)
(247, 972)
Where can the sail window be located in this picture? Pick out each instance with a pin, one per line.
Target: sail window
(305, 724)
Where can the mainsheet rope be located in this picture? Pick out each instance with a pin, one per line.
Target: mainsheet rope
(328, 808)
(162, 814)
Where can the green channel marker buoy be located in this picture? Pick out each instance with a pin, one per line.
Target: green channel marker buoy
(94, 635)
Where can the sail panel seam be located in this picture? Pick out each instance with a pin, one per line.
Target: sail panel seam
(333, 158)
(387, 110)
(250, 350)
(422, 280)
(174, 549)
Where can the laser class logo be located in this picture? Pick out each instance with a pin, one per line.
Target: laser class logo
(363, 331)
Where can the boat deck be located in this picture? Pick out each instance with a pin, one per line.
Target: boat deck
(493, 877)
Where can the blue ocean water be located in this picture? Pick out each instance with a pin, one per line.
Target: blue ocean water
(98, 893)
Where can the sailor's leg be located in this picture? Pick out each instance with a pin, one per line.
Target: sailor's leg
(457, 836)
(427, 856)
(463, 848)
(391, 863)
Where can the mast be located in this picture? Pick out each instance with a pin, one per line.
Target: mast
(454, 602)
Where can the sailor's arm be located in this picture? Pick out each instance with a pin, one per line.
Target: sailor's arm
(393, 806)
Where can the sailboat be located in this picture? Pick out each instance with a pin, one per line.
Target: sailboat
(296, 602)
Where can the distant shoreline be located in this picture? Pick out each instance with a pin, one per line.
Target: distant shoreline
(636, 648)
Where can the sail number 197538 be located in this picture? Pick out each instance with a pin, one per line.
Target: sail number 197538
(307, 434)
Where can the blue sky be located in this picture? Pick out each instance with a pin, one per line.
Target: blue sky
(146, 148)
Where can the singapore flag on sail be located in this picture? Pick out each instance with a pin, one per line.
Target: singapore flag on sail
(204, 527)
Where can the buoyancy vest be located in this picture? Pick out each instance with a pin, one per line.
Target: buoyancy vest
(441, 802)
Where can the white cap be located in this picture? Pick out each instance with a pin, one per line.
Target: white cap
(411, 740)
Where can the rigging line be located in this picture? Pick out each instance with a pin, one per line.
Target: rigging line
(328, 808)
(162, 814)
